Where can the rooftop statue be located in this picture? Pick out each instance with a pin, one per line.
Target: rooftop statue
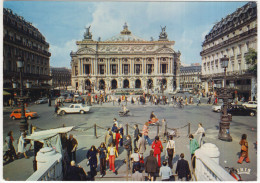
(87, 34)
(163, 35)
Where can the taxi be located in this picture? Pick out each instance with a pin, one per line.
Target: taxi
(17, 114)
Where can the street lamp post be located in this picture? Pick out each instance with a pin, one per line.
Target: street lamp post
(23, 123)
(224, 133)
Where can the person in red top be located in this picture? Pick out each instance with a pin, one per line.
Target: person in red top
(117, 138)
(157, 147)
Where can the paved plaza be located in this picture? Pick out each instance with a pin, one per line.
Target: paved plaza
(103, 115)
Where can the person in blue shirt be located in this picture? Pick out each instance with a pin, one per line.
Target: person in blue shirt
(165, 172)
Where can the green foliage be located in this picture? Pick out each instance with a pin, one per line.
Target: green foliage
(251, 59)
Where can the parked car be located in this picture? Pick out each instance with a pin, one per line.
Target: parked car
(41, 100)
(74, 108)
(250, 104)
(68, 100)
(77, 99)
(216, 108)
(17, 114)
(239, 110)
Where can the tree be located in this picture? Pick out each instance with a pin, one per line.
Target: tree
(251, 59)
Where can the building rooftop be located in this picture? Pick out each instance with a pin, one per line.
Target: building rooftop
(225, 22)
(193, 68)
(125, 35)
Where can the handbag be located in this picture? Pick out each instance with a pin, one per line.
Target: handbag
(203, 134)
(161, 149)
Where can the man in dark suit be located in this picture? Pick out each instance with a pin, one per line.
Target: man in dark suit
(183, 169)
(136, 132)
(75, 173)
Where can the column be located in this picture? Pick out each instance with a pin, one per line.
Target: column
(96, 67)
(119, 66)
(155, 66)
(109, 67)
(82, 60)
(143, 66)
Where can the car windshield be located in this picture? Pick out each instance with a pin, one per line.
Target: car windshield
(28, 111)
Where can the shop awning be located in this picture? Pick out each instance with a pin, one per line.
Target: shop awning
(6, 93)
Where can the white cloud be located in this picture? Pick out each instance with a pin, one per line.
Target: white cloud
(60, 55)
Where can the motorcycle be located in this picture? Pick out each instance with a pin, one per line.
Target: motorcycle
(122, 113)
(233, 173)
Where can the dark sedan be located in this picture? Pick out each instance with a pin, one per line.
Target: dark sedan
(239, 110)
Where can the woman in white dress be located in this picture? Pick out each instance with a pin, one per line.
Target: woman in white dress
(200, 132)
(21, 145)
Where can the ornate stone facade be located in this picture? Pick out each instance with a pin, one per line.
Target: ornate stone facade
(125, 61)
(61, 77)
(190, 77)
(21, 38)
(232, 36)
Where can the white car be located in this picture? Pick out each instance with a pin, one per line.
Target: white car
(216, 108)
(41, 100)
(250, 104)
(74, 108)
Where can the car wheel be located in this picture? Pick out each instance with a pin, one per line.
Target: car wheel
(252, 113)
(82, 112)
(218, 110)
(13, 118)
(62, 113)
(29, 117)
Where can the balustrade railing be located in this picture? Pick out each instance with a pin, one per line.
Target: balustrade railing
(208, 170)
(48, 172)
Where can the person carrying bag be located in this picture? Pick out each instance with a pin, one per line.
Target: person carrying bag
(170, 150)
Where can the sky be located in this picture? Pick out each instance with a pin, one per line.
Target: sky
(63, 23)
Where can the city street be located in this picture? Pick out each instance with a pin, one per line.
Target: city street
(103, 117)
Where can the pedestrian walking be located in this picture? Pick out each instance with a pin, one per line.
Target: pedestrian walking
(183, 169)
(135, 157)
(119, 101)
(194, 145)
(72, 145)
(115, 121)
(74, 173)
(165, 172)
(121, 131)
(111, 155)
(137, 175)
(56, 108)
(201, 133)
(141, 149)
(128, 148)
(151, 166)
(244, 150)
(21, 145)
(117, 138)
(102, 151)
(170, 150)
(145, 133)
(114, 128)
(198, 100)
(163, 131)
(92, 160)
(10, 153)
(158, 148)
(136, 132)
(108, 137)
(49, 101)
